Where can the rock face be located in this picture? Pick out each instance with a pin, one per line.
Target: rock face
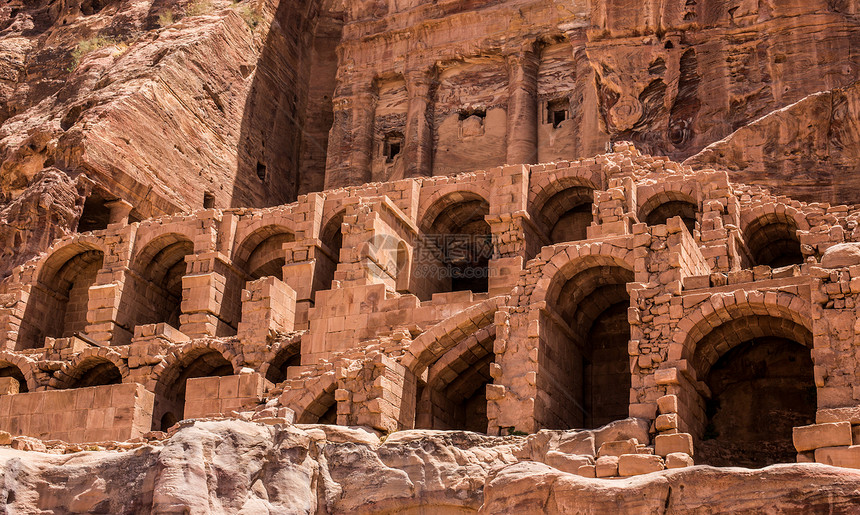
(169, 106)
(808, 150)
(241, 467)
(176, 105)
(48, 209)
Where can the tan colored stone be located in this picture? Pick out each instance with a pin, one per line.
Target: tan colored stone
(809, 438)
(606, 466)
(843, 456)
(570, 463)
(675, 460)
(9, 386)
(587, 471)
(668, 444)
(637, 464)
(617, 448)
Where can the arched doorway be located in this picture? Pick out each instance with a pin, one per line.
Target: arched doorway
(454, 396)
(288, 356)
(669, 204)
(566, 215)
(455, 229)
(585, 342)
(772, 240)
(759, 373)
(170, 388)
(161, 265)
(10, 370)
(58, 302)
(95, 371)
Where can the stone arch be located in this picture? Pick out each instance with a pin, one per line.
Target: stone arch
(331, 236)
(433, 343)
(442, 200)
(403, 267)
(91, 367)
(159, 266)
(580, 302)
(563, 208)
(721, 307)
(454, 395)
(754, 364)
(770, 234)
(585, 339)
(261, 253)
(282, 355)
(454, 227)
(569, 260)
(544, 185)
(196, 359)
(318, 405)
(21, 368)
(58, 302)
(666, 201)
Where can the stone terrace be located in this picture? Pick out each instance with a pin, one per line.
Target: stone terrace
(552, 296)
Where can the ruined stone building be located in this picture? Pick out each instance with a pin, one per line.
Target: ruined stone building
(496, 216)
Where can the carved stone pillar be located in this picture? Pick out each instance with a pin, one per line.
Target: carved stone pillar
(522, 108)
(418, 152)
(351, 140)
(119, 211)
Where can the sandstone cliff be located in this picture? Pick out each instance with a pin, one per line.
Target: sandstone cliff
(809, 149)
(151, 101)
(249, 468)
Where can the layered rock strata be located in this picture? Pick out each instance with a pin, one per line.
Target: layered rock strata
(242, 467)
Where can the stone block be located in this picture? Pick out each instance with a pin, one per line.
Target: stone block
(816, 436)
(666, 422)
(606, 466)
(850, 414)
(676, 460)
(667, 444)
(587, 471)
(569, 463)
(251, 385)
(9, 386)
(617, 448)
(667, 376)
(806, 457)
(667, 404)
(228, 387)
(637, 464)
(577, 442)
(843, 456)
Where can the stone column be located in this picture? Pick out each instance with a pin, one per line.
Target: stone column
(351, 140)
(119, 211)
(206, 310)
(418, 151)
(522, 108)
(268, 307)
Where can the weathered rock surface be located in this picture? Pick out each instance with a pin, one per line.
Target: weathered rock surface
(537, 488)
(242, 467)
(809, 150)
(47, 210)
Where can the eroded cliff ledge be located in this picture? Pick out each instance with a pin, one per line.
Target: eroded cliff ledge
(232, 466)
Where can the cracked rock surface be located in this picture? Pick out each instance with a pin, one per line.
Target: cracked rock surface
(232, 466)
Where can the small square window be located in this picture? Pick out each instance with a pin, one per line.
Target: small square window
(392, 146)
(557, 111)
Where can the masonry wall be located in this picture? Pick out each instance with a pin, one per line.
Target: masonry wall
(214, 396)
(99, 413)
(392, 352)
